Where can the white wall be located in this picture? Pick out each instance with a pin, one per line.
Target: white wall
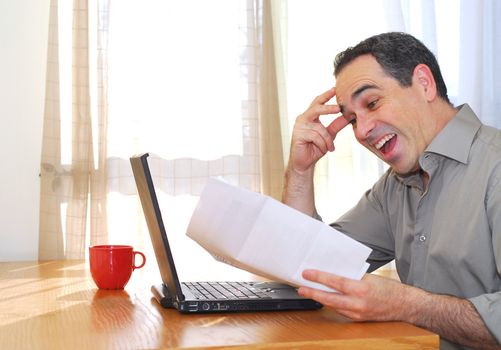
(23, 52)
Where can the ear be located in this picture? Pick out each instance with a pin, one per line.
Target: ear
(423, 77)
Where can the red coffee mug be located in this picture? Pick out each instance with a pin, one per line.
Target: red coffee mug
(111, 265)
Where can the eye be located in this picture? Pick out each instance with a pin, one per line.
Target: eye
(372, 104)
(353, 121)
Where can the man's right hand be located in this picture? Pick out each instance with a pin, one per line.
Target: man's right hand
(311, 140)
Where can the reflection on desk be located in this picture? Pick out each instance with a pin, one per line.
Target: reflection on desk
(55, 304)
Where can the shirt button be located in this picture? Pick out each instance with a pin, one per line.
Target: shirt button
(422, 238)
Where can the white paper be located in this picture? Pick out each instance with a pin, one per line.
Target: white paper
(263, 236)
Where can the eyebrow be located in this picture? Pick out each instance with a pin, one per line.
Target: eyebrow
(357, 94)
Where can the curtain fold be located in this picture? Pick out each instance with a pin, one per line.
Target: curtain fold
(66, 189)
(480, 59)
(51, 243)
(82, 157)
(83, 199)
(203, 110)
(99, 170)
(270, 130)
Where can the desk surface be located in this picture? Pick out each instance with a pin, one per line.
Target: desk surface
(55, 304)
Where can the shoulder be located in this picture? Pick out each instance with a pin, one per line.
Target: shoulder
(489, 138)
(485, 151)
(485, 156)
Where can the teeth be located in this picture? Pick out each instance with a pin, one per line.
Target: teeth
(384, 140)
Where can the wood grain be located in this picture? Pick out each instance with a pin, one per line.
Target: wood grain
(55, 305)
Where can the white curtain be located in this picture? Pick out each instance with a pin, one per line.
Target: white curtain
(73, 195)
(465, 36)
(191, 82)
(211, 89)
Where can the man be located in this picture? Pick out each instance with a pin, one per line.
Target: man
(436, 211)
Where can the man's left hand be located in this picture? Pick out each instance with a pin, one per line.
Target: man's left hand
(374, 298)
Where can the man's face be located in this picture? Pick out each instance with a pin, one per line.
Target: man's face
(388, 119)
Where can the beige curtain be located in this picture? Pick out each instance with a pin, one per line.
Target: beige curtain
(272, 155)
(69, 191)
(84, 200)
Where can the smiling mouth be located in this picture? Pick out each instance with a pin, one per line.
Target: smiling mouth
(383, 145)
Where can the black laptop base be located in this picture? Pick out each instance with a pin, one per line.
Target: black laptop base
(193, 297)
(160, 293)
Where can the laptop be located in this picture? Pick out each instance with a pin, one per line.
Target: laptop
(206, 296)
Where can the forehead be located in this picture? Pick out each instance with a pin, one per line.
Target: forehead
(362, 71)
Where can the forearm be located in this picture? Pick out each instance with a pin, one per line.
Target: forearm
(298, 191)
(453, 318)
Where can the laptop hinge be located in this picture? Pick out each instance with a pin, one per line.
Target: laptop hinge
(161, 294)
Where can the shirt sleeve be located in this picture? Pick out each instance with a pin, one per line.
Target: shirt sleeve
(366, 223)
(489, 308)
(489, 305)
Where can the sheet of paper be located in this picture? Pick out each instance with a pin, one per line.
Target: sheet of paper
(259, 234)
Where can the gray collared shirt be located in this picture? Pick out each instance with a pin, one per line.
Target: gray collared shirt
(447, 238)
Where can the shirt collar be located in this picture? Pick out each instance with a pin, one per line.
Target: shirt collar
(455, 139)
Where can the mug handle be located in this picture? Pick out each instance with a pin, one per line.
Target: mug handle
(142, 264)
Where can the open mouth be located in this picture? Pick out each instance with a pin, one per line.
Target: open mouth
(386, 144)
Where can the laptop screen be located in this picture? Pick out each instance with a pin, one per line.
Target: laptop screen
(155, 224)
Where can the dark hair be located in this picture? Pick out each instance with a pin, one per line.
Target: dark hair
(398, 54)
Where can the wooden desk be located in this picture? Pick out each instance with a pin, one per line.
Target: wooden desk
(55, 305)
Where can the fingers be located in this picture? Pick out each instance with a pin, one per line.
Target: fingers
(341, 284)
(366, 299)
(311, 140)
(308, 126)
(325, 97)
(346, 305)
(348, 300)
(334, 300)
(337, 125)
(319, 107)
(315, 133)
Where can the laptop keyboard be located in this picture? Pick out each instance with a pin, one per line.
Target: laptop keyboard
(226, 290)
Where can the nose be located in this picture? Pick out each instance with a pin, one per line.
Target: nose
(365, 125)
